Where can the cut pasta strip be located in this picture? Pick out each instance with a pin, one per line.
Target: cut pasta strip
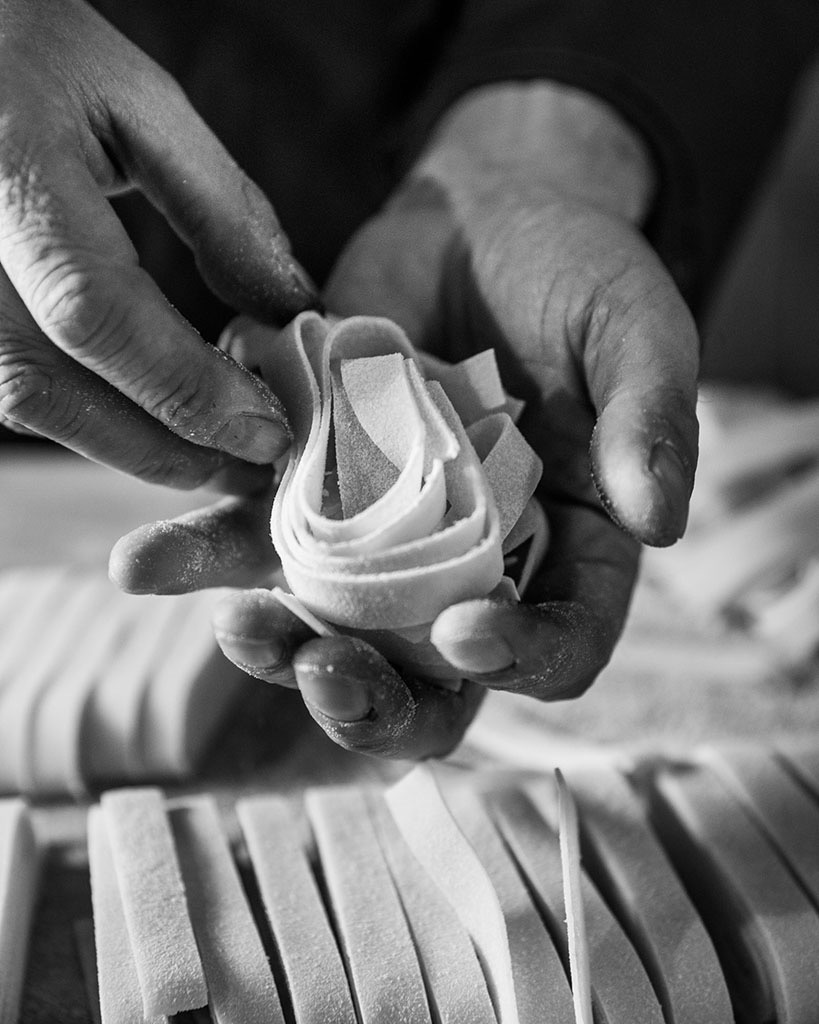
(763, 444)
(802, 759)
(787, 814)
(621, 990)
(240, 983)
(153, 896)
(120, 993)
(511, 466)
(633, 873)
(318, 987)
(188, 695)
(762, 923)
(45, 662)
(473, 385)
(385, 975)
(19, 873)
(110, 742)
(50, 751)
(712, 570)
(35, 599)
(458, 846)
(364, 472)
(455, 982)
(790, 623)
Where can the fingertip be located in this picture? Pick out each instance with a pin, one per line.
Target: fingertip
(469, 637)
(335, 676)
(259, 635)
(643, 465)
(159, 558)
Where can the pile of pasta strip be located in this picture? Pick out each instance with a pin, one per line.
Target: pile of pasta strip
(97, 686)
(406, 486)
(677, 892)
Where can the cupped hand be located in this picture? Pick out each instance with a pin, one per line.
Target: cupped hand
(589, 329)
(91, 353)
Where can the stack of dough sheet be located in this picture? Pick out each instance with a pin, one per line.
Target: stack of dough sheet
(99, 685)
(459, 896)
(408, 486)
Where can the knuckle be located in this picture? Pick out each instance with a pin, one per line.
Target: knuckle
(30, 397)
(186, 406)
(68, 306)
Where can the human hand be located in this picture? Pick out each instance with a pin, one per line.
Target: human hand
(91, 353)
(546, 265)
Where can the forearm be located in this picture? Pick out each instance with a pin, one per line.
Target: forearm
(536, 140)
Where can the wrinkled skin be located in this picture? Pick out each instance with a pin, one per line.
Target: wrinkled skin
(590, 330)
(538, 257)
(91, 353)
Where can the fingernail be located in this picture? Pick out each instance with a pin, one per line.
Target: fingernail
(254, 438)
(260, 655)
(337, 696)
(478, 655)
(667, 467)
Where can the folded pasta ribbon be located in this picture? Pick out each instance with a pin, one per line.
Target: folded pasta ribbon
(402, 493)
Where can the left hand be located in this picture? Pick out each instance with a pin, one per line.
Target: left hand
(589, 329)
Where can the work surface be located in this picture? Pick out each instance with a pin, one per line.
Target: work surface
(671, 684)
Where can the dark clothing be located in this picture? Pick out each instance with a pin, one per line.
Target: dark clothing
(707, 82)
(324, 104)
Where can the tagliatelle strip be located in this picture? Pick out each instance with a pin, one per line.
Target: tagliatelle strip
(382, 963)
(19, 872)
(110, 730)
(502, 451)
(154, 903)
(119, 989)
(769, 952)
(788, 815)
(385, 514)
(50, 758)
(175, 721)
(22, 694)
(457, 844)
(318, 987)
(621, 989)
(802, 759)
(455, 982)
(241, 989)
(36, 597)
(627, 863)
(473, 385)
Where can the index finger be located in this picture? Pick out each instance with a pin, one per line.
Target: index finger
(73, 266)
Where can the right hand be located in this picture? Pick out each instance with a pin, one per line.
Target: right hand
(91, 353)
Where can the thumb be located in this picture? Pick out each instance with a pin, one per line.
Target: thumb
(170, 154)
(642, 377)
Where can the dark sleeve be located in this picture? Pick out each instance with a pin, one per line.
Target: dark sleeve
(706, 82)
